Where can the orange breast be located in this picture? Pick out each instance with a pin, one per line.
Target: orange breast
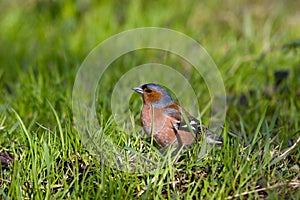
(163, 132)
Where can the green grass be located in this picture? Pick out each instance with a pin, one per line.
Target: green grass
(43, 43)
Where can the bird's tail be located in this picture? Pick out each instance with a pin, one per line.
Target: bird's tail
(212, 138)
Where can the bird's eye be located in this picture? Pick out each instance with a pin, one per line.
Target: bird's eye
(148, 90)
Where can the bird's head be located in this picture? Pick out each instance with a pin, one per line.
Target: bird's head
(154, 95)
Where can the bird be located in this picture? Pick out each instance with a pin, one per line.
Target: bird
(173, 125)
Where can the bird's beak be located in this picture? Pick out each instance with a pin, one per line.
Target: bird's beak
(138, 90)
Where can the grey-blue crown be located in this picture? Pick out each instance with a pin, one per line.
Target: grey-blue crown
(166, 98)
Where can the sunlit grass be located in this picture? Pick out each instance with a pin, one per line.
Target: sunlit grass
(43, 43)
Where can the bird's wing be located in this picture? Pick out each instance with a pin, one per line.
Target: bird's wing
(186, 122)
(183, 120)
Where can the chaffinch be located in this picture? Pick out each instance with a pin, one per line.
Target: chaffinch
(173, 125)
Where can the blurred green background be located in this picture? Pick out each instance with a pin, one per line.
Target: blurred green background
(43, 44)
